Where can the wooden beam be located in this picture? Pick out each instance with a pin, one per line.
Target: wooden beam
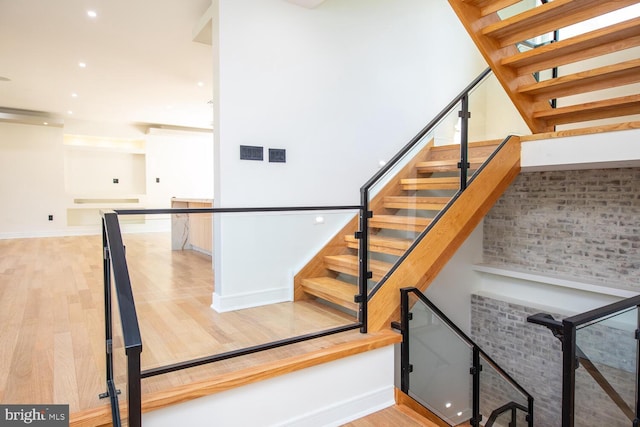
(424, 263)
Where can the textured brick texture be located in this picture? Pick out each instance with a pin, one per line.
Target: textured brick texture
(533, 357)
(581, 224)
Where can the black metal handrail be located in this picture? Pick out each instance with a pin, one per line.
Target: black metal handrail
(234, 210)
(114, 260)
(478, 353)
(513, 407)
(570, 353)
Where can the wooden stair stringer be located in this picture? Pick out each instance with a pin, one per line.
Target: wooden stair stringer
(424, 263)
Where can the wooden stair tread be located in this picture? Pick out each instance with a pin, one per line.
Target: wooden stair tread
(348, 264)
(447, 165)
(586, 81)
(382, 244)
(332, 290)
(615, 107)
(613, 38)
(549, 17)
(399, 222)
(445, 183)
(417, 203)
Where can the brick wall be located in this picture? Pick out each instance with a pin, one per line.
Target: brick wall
(582, 224)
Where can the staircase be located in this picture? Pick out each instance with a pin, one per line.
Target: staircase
(591, 67)
(401, 211)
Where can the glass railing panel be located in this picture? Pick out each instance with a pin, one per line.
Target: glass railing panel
(497, 392)
(441, 360)
(607, 352)
(409, 195)
(206, 284)
(402, 212)
(493, 117)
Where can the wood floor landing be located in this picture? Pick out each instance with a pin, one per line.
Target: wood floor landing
(52, 328)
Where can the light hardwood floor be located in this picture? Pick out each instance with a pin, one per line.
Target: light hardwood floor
(52, 328)
(393, 416)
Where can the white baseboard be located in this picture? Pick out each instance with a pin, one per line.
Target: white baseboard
(224, 303)
(82, 231)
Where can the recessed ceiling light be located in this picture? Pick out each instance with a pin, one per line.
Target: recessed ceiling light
(459, 414)
(4, 79)
(70, 112)
(92, 13)
(45, 123)
(200, 84)
(447, 405)
(82, 64)
(74, 95)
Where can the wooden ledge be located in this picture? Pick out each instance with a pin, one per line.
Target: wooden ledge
(183, 393)
(583, 131)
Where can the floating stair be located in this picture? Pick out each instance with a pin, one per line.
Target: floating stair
(593, 80)
(623, 106)
(399, 216)
(620, 74)
(623, 35)
(549, 17)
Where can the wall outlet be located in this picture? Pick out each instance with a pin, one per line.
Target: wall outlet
(116, 180)
(157, 179)
(50, 217)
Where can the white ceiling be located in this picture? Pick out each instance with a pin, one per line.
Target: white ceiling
(142, 63)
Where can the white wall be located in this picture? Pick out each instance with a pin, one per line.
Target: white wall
(31, 180)
(40, 176)
(184, 164)
(340, 87)
(330, 394)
